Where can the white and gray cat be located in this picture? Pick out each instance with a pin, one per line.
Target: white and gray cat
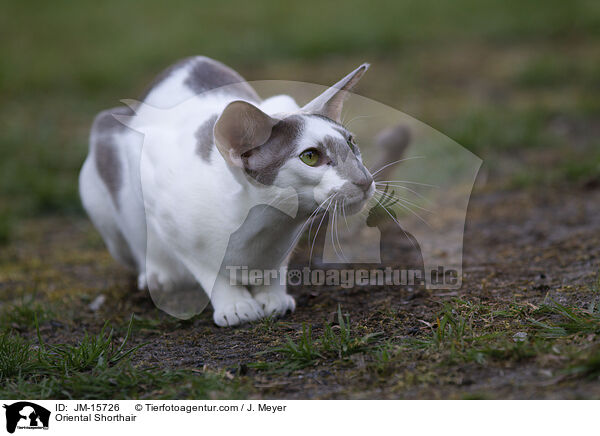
(183, 202)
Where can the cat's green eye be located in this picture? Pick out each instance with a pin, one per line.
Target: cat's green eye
(310, 157)
(351, 144)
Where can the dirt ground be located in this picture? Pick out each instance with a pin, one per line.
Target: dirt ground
(522, 249)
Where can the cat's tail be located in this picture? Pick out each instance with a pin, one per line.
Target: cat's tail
(390, 146)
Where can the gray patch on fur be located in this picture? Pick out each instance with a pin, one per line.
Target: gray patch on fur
(323, 117)
(341, 131)
(109, 167)
(264, 162)
(205, 138)
(106, 123)
(108, 163)
(346, 163)
(337, 149)
(165, 74)
(338, 127)
(207, 74)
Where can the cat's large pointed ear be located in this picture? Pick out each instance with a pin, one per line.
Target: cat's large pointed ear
(330, 103)
(240, 128)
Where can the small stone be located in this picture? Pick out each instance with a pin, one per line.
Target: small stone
(95, 305)
(520, 336)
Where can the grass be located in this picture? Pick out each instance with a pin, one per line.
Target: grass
(97, 367)
(545, 71)
(462, 332)
(93, 351)
(302, 353)
(15, 356)
(454, 332)
(579, 169)
(341, 342)
(47, 108)
(336, 342)
(504, 129)
(586, 365)
(572, 320)
(126, 381)
(25, 314)
(561, 339)
(467, 332)
(6, 227)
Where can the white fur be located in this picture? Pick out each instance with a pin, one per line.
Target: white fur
(177, 212)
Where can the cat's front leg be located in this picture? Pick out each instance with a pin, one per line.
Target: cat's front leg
(274, 299)
(233, 305)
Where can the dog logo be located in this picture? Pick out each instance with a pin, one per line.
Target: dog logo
(26, 415)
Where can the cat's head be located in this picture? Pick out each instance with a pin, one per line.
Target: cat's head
(310, 150)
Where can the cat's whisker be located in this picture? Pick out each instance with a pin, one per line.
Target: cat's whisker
(318, 228)
(402, 199)
(315, 213)
(390, 199)
(337, 236)
(406, 188)
(411, 211)
(310, 218)
(332, 230)
(325, 213)
(386, 197)
(396, 221)
(407, 182)
(344, 213)
(396, 162)
(358, 117)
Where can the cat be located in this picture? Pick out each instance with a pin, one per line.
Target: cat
(180, 196)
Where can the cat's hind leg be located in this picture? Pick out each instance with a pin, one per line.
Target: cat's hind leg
(99, 206)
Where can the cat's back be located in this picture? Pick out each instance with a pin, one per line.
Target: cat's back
(194, 76)
(183, 122)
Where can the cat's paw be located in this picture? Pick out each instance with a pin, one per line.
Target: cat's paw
(277, 304)
(237, 313)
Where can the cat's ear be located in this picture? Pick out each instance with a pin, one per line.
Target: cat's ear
(240, 128)
(330, 103)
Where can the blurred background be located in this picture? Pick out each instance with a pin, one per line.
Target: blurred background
(516, 82)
